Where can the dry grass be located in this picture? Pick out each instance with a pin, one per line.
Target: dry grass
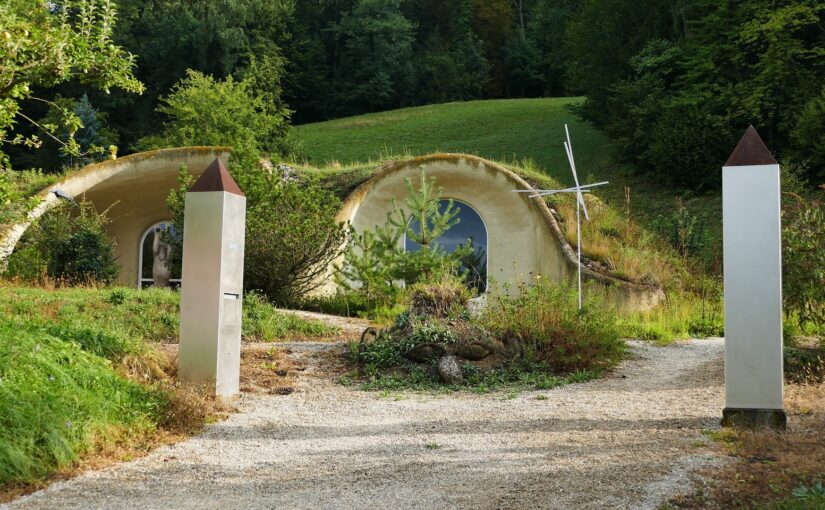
(620, 246)
(769, 465)
(266, 369)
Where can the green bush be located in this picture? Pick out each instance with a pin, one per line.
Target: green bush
(58, 400)
(803, 260)
(67, 245)
(291, 239)
(544, 321)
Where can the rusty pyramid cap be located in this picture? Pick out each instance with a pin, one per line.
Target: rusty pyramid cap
(750, 150)
(216, 178)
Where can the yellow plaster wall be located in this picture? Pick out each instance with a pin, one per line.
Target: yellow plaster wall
(521, 244)
(133, 189)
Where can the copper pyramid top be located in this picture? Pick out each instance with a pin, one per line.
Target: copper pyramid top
(216, 178)
(750, 150)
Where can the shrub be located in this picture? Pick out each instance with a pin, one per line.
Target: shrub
(67, 247)
(803, 259)
(544, 321)
(375, 261)
(291, 239)
(243, 114)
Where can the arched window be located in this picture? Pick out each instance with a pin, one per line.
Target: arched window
(470, 228)
(146, 256)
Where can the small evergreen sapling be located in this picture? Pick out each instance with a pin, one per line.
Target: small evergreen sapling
(375, 261)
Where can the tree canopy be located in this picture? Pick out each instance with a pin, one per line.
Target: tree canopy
(673, 82)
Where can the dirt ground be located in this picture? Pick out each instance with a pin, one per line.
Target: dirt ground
(301, 440)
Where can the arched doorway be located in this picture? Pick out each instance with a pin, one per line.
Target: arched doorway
(146, 257)
(470, 228)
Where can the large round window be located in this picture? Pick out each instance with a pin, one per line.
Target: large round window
(469, 229)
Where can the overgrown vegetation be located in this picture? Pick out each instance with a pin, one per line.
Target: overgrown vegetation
(537, 339)
(69, 244)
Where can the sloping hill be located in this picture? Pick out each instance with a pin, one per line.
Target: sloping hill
(501, 130)
(508, 131)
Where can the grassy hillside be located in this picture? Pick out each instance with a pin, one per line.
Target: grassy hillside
(502, 130)
(509, 131)
(81, 376)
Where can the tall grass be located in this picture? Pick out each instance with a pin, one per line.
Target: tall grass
(545, 322)
(682, 315)
(58, 401)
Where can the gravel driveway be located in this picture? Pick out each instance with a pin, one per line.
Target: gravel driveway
(626, 441)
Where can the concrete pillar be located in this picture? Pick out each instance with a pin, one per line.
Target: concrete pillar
(212, 282)
(753, 286)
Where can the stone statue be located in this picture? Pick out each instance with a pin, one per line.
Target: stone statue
(161, 250)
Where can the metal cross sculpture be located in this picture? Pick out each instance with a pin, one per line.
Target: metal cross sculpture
(580, 205)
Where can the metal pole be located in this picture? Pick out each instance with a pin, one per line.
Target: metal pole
(579, 249)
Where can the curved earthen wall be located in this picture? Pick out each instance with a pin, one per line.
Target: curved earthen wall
(524, 240)
(134, 190)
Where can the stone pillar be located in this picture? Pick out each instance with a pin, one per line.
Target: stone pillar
(753, 286)
(212, 282)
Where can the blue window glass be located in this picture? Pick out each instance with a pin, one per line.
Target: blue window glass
(470, 228)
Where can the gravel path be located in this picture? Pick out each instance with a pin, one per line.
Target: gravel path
(627, 441)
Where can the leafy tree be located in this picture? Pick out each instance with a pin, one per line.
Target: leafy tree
(45, 43)
(93, 135)
(214, 37)
(703, 71)
(494, 23)
(523, 76)
(808, 135)
(602, 36)
(546, 33)
(204, 111)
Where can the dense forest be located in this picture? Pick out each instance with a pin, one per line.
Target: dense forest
(674, 83)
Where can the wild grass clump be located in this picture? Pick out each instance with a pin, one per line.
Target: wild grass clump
(262, 323)
(543, 321)
(59, 401)
(805, 364)
(536, 340)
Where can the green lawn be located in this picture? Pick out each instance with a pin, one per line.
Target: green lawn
(502, 130)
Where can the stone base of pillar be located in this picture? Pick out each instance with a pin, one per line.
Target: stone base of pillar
(754, 418)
